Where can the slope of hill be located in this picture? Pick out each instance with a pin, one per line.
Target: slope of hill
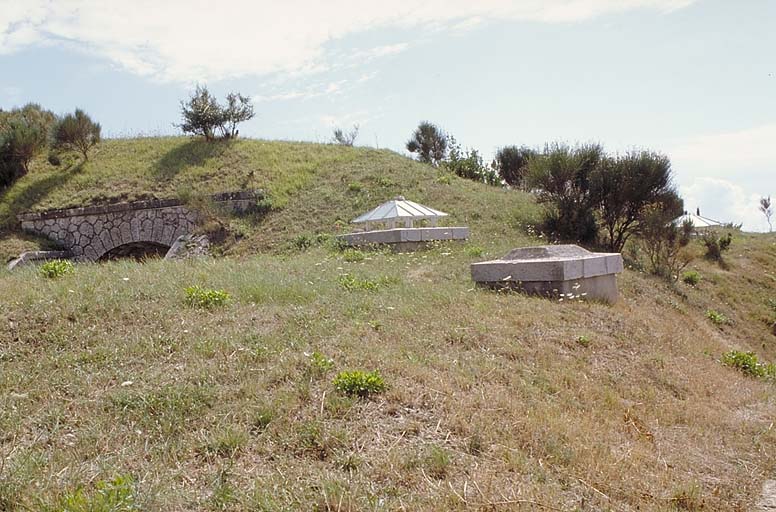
(312, 187)
(116, 395)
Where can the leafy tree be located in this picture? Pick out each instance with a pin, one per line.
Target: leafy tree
(511, 162)
(623, 187)
(429, 142)
(665, 244)
(202, 114)
(561, 175)
(238, 109)
(469, 164)
(21, 142)
(77, 132)
(344, 138)
(767, 209)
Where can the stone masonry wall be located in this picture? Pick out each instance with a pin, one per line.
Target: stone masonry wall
(88, 233)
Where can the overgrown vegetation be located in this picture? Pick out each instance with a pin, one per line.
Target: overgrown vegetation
(56, 268)
(76, 132)
(203, 115)
(359, 383)
(199, 297)
(429, 142)
(344, 138)
(748, 363)
(716, 244)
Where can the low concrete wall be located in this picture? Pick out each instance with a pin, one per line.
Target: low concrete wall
(601, 288)
(405, 238)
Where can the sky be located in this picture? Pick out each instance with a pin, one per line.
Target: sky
(694, 79)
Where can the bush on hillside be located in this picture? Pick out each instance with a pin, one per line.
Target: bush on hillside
(469, 164)
(716, 244)
(203, 115)
(665, 244)
(344, 138)
(77, 132)
(429, 142)
(24, 132)
(561, 175)
(748, 363)
(623, 188)
(511, 163)
(691, 277)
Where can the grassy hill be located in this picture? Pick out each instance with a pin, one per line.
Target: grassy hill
(116, 395)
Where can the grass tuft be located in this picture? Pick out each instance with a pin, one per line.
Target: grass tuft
(359, 383)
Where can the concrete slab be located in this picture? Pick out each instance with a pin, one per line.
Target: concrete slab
(405, 238)
(554, 271)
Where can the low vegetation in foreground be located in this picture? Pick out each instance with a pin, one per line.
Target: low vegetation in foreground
(306, 391)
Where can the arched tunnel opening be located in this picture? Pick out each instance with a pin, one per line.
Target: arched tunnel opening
(137, 251)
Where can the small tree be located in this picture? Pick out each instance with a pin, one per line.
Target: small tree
(21, 143)
(429, 142)
(562, 176)
(623, 187)
(345, 138)
(664, 243)
(511, 162)
(767, 209)
(77, 132)
(202, 114)
(238, 109)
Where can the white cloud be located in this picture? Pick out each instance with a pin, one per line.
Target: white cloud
(195, 40)
(724, 201)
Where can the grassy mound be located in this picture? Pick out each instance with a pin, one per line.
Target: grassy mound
(312, 188)
(316, 379)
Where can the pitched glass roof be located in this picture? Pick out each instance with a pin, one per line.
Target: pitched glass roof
(697, 221)
(399, 208)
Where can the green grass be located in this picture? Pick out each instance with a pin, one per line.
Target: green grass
(492, 401)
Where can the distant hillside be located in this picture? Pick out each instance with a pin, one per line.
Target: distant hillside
(310, 186)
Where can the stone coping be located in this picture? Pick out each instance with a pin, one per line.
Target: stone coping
(243, 195)
(547, 263)
(402, 235)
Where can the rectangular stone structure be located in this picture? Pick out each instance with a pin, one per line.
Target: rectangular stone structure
(553, 271)
(405, 238)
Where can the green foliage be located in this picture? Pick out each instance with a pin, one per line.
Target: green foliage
(664, 243)
(429, 142)
(355, 187)
(77, 132)
(359, 383)
(320, 364)
(23, 134)
(748, 363)
(353, 255)
(437, 461)
(716, 244)
(203, 115)
(624, 188)
(716, 317)
(584, 340)
(344, 138)
(469, 164)
(352, 283)
(474, 251)
(116, 495)
(691, 277)
(511, 163)
(199, 297)
(562, 175)
(56, 268)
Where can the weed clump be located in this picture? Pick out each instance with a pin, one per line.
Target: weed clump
(359, 383)
(691, 277)
(353, 283)
(717, 318)
(205, 298)
(353, 255)
(116, 495)
(56, 268)
(748, 363)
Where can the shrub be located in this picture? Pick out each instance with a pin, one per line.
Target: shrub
(359, 383)
(716, 244)
(344, 138)
(665, 244)
(202, 114)
(77, 132)
(429, 142)
(199, 297)
(56, 268)
(21, 142)
(511, 162)
(748, 363)
(469, 164)
(691, 277)
(353, 255)
(320, 364)
(716, 317)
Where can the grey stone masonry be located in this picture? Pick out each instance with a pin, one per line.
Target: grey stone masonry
(90, 232)
(405, 235)
(554, 270)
